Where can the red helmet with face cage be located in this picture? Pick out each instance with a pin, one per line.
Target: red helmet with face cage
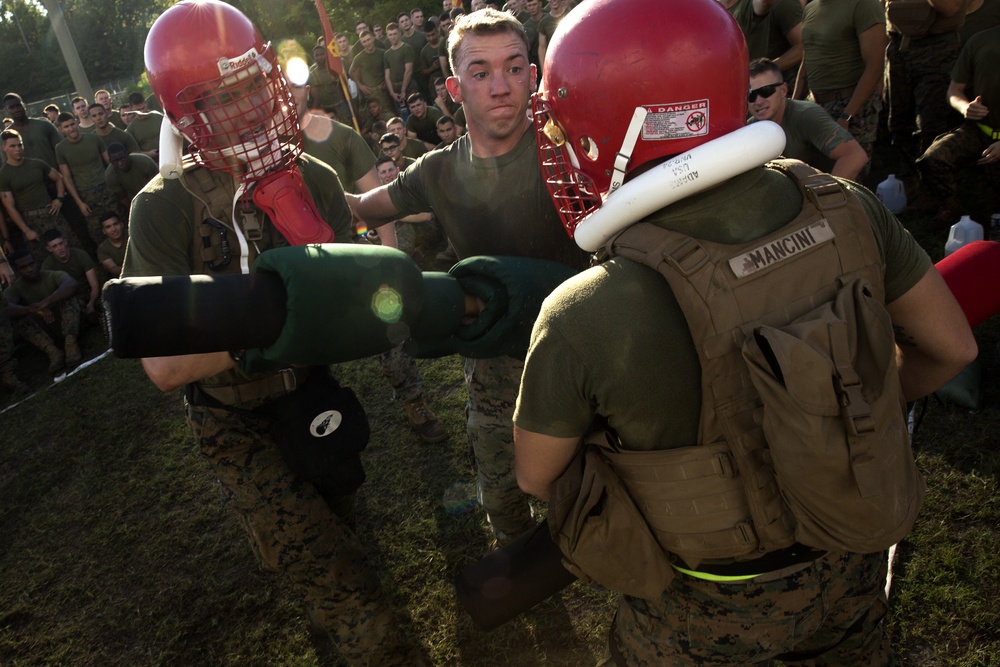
(629, 81)
(220, 86)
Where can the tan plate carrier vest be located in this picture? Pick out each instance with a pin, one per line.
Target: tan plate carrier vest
(802, 436)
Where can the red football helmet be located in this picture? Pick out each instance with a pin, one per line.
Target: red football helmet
(629, 81)
(220, 86)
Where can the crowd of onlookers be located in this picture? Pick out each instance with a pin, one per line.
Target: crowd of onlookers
(835, 75)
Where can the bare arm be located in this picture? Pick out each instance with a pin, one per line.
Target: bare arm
(849, 159)
(540, 459)
(793, 56)
(95, 289)
(113, 269)
(959, 101)
(542, 47)
(67, 178)
(933, 339)
(369, 181)
(375, 208)
(946, 7)
(801, 90)
(169, 373)
(873, 41)
(15, 216)
(407, 75)
(762, 7)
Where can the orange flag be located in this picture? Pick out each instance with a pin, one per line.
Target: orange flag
(333, 61)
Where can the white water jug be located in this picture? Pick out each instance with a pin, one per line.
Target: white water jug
(892, 193)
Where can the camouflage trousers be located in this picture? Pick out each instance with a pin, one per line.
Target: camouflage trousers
(917, 88)
(100, 199)
(830, 613)
(292, 529)
(7, 361)
(41, 221)
(401, 371)
(32, 329)
(940, 163)
(863, 125)
(493, 385)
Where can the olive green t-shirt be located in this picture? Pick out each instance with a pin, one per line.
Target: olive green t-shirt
(425, 128)
(488, 206)
(340, 147)
(370, 68)
(395, 60)
(25, 292)
(120, 136)
(129, 183)
(27, 182)
(811, 134)
(107, 250)
(40, 139)
(145, 129)
(83, 157)
(765, 35)
(830, 30)
(76, 266)
(978, 66)
(613, 341)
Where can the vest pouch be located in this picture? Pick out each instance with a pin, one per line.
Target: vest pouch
(910, 18)
(834, 420)
(321, 429)
(601, 534)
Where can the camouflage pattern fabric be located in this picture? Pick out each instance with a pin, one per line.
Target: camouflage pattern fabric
(493, 385)
(917, 88)
(32, 329)
(294, 530)
(99, 199)
(939, 163)
(7, 361)
(829, 613)
(41, 221)
(401, 371)
(863, 125)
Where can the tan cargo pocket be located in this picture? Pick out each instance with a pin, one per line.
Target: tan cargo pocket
(602, 535)
(834, 422)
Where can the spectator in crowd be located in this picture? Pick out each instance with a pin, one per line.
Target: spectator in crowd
(487, 193)
(111, 252)
(368, 71)
(811, 135)
(144, 125)
(843, 61)
(103, 98)
(389, 144)
(82, 112)
(442, 99)
(422, 123)
(82, 159)
(407, 148)
(41, 299)
(428, 59)
(398, 61)
(51, 112)
(446, 130)
(107, 132)
(409, 32)
(977, 140)
(773, 30)
(40, 137)
(8, 362)
(327, 91)
(127, 114)
(918, 63)
(547, 27)
(535, 12)
(979, 15)
(416, 234)
(25, 195)
(80, 267)
(127, 174)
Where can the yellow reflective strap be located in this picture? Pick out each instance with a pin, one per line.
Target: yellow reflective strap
(713, 577)
(989, 131)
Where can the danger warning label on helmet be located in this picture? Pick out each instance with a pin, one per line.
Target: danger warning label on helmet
(677, 120)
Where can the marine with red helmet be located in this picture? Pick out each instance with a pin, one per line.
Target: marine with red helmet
(683, 502)
(244, 188)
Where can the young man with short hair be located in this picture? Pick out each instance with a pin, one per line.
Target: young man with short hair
(111, 252)
(82, 159)
(79, 265)
(108, 132)
(422, 123)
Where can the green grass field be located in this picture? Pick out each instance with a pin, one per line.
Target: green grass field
(115, 550)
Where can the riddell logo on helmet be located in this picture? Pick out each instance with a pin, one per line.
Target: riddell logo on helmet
(229, 65)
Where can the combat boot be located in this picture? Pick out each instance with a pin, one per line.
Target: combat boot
(12, 383)
(57, 360)
(72, 351)
(424, 422)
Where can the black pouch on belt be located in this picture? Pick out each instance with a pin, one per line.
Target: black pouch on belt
(321, 428)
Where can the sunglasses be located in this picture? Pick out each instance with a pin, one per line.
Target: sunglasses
(763, 91)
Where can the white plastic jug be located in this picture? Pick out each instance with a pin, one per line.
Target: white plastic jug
(964, 231)
(892, 193)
